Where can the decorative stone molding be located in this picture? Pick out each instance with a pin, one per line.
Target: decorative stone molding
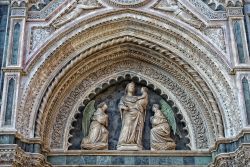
(13, 155)
(7, 154)
(39, 35)
(212, 9)
(127, 3)
(239, 158)
(59, 125)
(65, 53)
(205, 60)
(18, 12)
(79, 91)
(46, 10)
(217, 36)
(234, 11)
(208, 12)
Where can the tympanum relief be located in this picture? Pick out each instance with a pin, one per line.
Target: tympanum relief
(132, 108)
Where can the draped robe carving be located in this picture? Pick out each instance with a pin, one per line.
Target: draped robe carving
(132, 109)
(97, 138)
(160, 133)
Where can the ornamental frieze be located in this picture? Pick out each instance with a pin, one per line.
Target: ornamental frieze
(212, 9)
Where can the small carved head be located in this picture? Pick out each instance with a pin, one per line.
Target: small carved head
(130, 88)
(103, 106)
(155, 107)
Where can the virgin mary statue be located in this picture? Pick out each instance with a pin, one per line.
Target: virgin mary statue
(132, 109)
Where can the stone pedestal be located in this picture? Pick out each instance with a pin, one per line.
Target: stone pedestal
(129, 147)
(96, 146)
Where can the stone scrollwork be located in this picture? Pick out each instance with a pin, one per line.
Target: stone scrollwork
(97, 39)
(7, 155)
(239, 158)
(16, 157)
(39, 35)
(115, 68)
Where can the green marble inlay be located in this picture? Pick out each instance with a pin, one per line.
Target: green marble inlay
(203, 160)
(10, 102)
(246, 92)
(127, 160)
(7, 139)
(239, 42)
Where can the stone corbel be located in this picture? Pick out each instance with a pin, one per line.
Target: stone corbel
(13, 155)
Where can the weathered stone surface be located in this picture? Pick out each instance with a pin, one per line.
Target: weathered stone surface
(69, 52)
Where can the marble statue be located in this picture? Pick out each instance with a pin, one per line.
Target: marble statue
(160, 133)
(75, 11)
(97, 138)
(133, 111)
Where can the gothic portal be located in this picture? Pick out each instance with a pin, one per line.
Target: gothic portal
(124, 83)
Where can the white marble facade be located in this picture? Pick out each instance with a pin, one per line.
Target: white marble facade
(60, 54)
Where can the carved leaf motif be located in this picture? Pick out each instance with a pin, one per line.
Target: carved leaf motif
(169, 114)
(87, 114)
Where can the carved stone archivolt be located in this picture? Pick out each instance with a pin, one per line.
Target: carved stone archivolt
(204, 65)
(85, 87)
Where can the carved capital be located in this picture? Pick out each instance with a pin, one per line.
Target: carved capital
(234, 11)
(18, 11)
